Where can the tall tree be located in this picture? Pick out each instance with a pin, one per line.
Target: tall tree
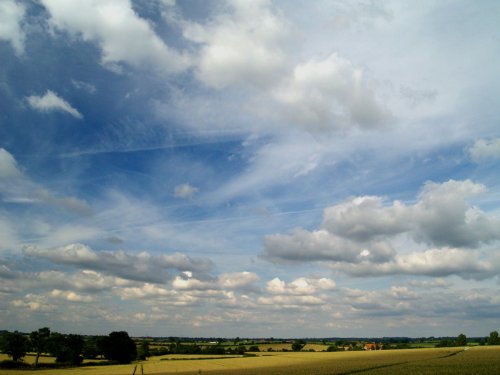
(143, 352)
(461, 340)
(493, 339)
(39, 340)
(75, 345)
(14, 344)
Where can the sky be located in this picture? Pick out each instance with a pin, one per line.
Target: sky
(250, 168)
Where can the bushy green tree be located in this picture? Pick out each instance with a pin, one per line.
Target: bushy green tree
(297, 345)
(118, 346)
(39, 342)
(493, 339)
(14, 344)
(66, 348)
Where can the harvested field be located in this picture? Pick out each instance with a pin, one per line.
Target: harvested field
(473, 361)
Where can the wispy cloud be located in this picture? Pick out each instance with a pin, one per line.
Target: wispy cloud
(88, 87)
(185, 191)
(52, 102)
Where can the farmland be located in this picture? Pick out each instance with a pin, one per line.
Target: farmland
(473, 360)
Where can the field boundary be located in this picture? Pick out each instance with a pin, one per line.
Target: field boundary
(375, 368)
(452, 354)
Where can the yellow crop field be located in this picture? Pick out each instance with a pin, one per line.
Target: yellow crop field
(473, 361)
(315, 347)
(274, 347)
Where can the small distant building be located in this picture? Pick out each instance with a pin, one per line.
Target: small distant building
(370, 346)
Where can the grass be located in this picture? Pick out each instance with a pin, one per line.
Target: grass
(441, 361)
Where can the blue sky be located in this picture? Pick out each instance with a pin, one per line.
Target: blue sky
(212, 168)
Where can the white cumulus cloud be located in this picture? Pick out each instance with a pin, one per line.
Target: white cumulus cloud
(291, 301)
(434, 262)
(122, 35)
(235, 280)
(241, 46)
(330, 94)
(359, 236)
(485, 149)
(11, 15)
(366, 217)
(300, 286)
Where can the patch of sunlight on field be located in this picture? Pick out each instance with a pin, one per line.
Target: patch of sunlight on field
(442, 361)
(275, 347)
(315, 347)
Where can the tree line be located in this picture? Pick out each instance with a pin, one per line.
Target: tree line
(70, 348)
(461, 340)
(118, 347)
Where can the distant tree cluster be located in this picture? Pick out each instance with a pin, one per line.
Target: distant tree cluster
(71, 349)
(218, 349)
(461, 340)
(66, 348)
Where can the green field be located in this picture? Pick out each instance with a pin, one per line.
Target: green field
(473, 361)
